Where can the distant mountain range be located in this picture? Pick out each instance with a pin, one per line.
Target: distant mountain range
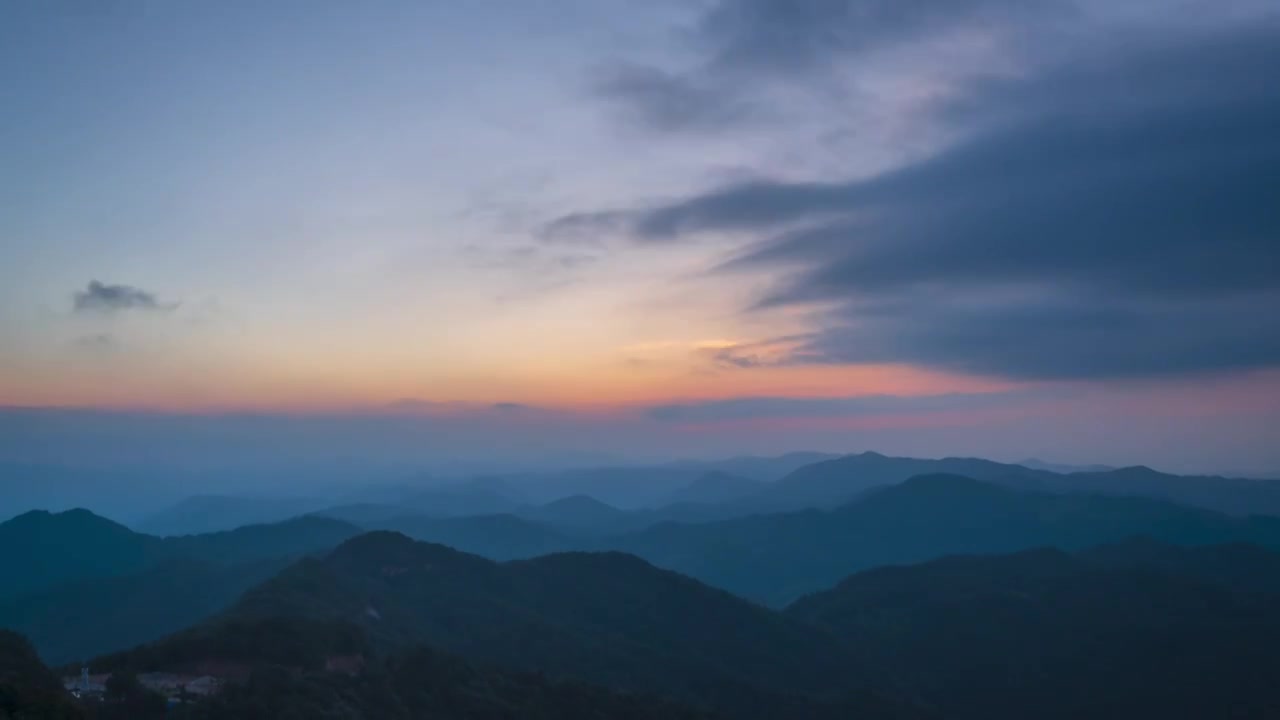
(681, 492)
(614, 500)
(640, 489)
(775, 558)
(648, 487)
(211, 513)
(832, 482)
(716, 487)
(1062, 468)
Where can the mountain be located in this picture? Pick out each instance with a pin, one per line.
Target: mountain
(1235, 496)
(1239, 566)
(1046, 634)
(49, 549)
(498, 537)
(650, 486)
(28, 690)
(832, 482)
(1134, 629)
(458, 500)
(363, 514)
(212, 513)
(583, 513)
(117, 493)
(567, 523)
(1062, 468)
(91, 617)
(776, 558)
(627, 488)
(716, 487)
(260, 542)
(78, 584)
(606, 618)
(43, 549)
(422, 683)
(763, 469)
(301, 668)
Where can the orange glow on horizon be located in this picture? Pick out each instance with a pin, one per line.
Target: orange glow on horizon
(604, 390)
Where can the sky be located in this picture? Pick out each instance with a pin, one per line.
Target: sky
(608, 229)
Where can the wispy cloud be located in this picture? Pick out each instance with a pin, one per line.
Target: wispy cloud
(511, 407)
(96, 343)
(101, 297)
(747, 49)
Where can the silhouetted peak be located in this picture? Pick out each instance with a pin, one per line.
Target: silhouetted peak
(306, 522)
(961, 575)
(376, 542)
(578, 502)
(944, 482)
(867, 458)
(74, 518)
(1033, 562)
(593, 561)
(392, 552)
(28, 517)
(931, 488)
(1137, 471)
(716, 486)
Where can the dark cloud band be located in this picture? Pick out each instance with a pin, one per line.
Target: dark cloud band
(1118, 216)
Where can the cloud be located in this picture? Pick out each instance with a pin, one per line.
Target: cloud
(1116, 216)
(1076, 339)
(527, 259)
(588, 229)
(743, 356)
(781, 36)
(669, 101)
(456, 409)
(96, 343)
(754, 408)
(733, 357)
(101, 297)
(510, 407)
(748, 48)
